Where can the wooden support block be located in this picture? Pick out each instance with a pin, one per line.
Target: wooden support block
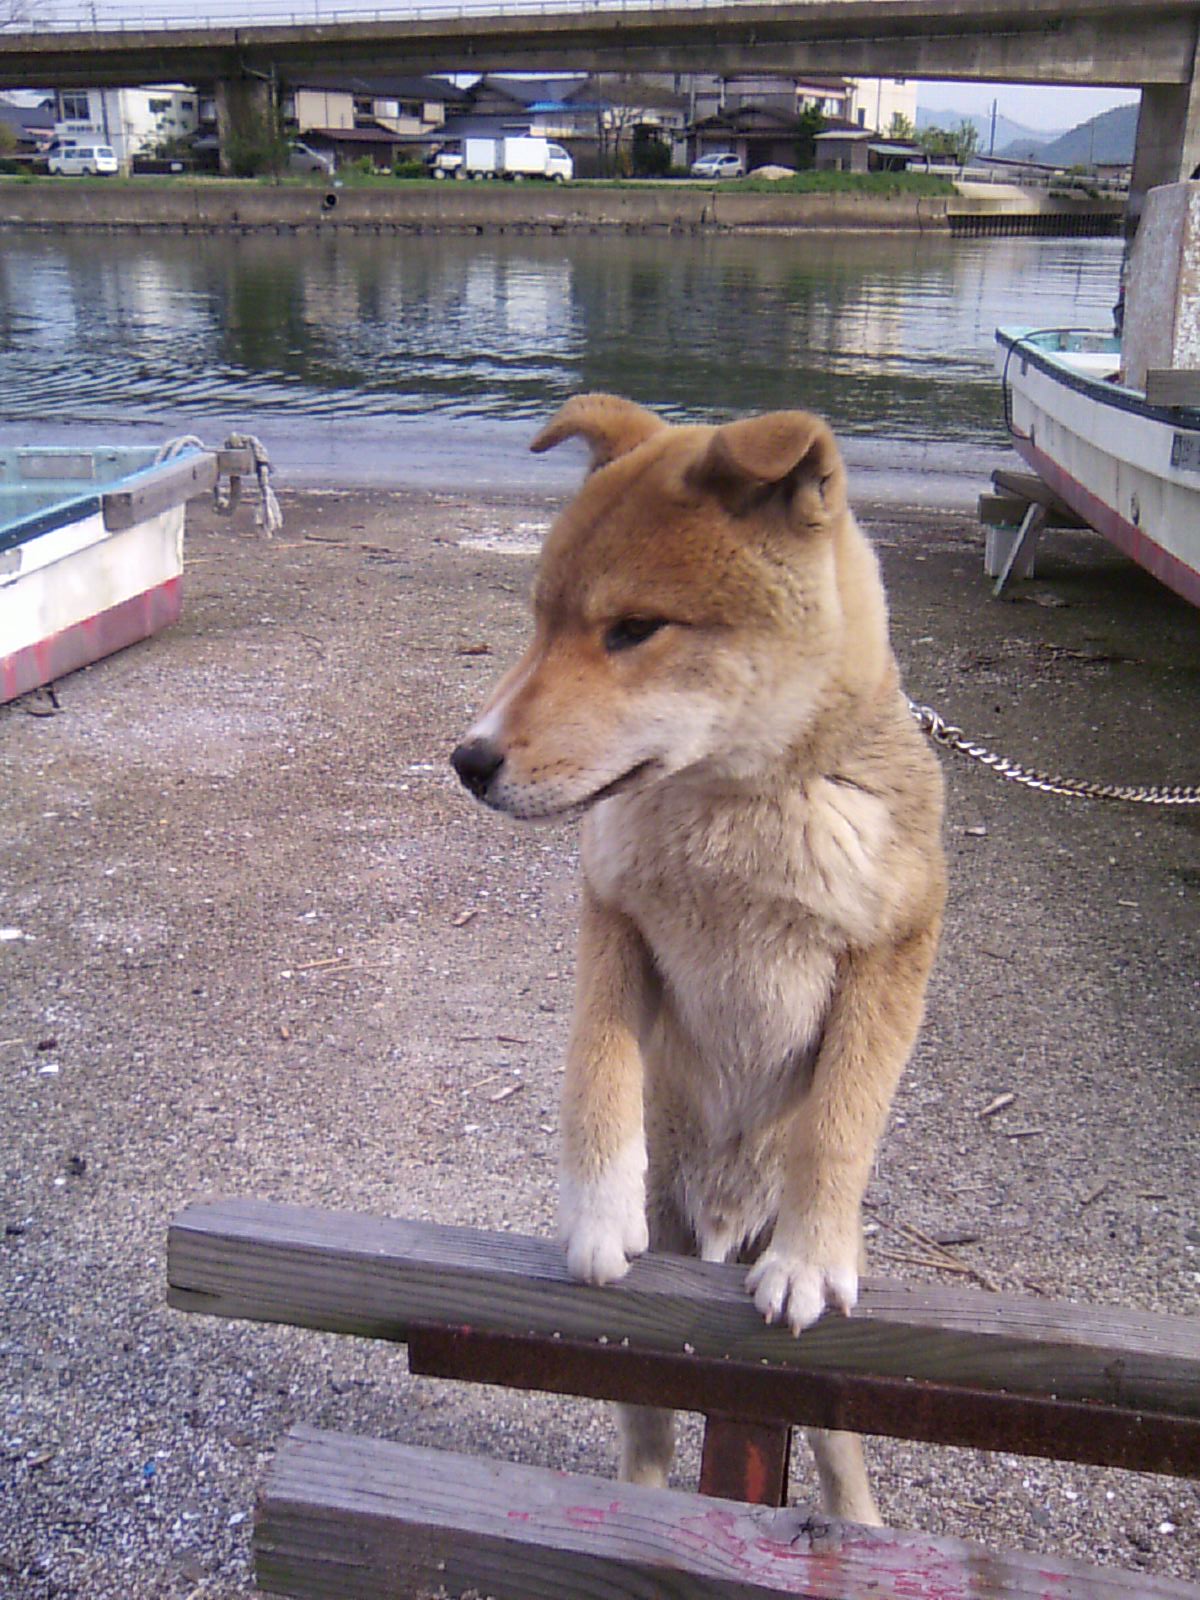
(1173, 386)
(1019, 559)
(998, 545)
(1080, 1383)
(361, 1519)
(1008, 511)
(182, 478)
(1027, 486)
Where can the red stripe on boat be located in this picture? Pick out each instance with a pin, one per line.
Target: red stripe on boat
(91, 639)
(1127, 536)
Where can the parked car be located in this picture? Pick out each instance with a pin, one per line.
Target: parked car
(721, 164)
(83, 161)
(303, 158)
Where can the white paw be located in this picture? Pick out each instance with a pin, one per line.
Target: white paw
(799, 1288)
(602, 1221)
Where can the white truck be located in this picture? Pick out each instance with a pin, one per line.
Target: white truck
(514, 156)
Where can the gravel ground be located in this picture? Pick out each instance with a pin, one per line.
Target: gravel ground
(239, 869)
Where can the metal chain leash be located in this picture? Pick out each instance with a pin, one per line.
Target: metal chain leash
(951, 738)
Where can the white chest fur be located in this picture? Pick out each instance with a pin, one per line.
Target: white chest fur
(745, 903)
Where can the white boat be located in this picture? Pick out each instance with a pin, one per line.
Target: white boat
(91, 551)
(1127, 467)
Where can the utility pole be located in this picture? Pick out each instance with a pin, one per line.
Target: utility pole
(992, 140)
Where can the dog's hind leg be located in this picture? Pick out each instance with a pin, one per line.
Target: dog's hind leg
(647, 1444)
(845, 1491)
(841, 1469)
(648, 1432)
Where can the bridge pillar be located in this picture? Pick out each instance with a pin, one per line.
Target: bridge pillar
(1168, 136)
(244, 117)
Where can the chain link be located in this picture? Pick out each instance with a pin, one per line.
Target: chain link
(951, 738)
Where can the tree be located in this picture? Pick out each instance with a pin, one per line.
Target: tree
(901, 128)
(258, 145)
(956, 144)
(809, 124)
(651, 152)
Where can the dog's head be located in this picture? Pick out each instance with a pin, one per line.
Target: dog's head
(696, 603)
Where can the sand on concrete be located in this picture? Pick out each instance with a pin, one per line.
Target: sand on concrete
(235, 867)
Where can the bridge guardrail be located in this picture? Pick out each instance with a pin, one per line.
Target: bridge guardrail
(92, 19)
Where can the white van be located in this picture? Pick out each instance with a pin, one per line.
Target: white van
(83, 160)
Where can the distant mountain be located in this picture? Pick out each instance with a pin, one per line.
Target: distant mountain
(1007, 131)
(1108, 138)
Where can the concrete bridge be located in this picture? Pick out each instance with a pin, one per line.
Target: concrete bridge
(1153, 45)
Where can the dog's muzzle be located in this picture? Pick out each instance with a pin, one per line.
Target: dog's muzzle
(477, 762)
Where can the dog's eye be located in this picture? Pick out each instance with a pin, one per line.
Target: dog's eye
(630, 631)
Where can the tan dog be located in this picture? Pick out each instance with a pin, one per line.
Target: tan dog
(711, 682)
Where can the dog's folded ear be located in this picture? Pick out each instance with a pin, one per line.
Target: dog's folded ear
(609, 425)
(788, 452)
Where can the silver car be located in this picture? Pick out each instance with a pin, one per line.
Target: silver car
(721, 164)
(303, 158)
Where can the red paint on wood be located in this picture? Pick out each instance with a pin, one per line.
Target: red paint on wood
(90, 640)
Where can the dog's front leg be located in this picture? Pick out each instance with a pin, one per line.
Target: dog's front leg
(602, 1195)
(813, 1258)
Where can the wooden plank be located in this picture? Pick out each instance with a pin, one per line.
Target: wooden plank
(343, 1516)
(182, 478)
(235, 463)
(1173, 386)
(928, 1351)
(1008, 511)
(1028, 486)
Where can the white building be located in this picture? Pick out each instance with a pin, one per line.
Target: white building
(132, 121)
(878, 101)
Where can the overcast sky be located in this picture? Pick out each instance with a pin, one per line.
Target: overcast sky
(1031, 104)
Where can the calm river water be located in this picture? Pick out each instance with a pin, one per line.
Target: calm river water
(428, 360)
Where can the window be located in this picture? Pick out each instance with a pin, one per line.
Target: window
(75, 105)
(157, 107)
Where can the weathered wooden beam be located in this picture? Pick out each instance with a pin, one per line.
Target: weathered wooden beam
(1008, 511)
(1086, 1383)
(157, 490)
(1029, 487)
(343, 1516)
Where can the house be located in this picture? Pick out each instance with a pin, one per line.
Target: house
(845, 148)
(384, 118)
(762, 136)
(30, 126)
(132, 121)
(600, 120)
(757, 115)
(887, 105)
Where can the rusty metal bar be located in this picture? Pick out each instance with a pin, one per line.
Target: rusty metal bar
(745, 1460)
(770, 1394)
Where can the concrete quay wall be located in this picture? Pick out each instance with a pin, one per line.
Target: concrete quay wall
(450, 207)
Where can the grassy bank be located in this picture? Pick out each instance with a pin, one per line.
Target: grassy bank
(880, 185)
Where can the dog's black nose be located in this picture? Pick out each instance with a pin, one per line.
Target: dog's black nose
(477, 762)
